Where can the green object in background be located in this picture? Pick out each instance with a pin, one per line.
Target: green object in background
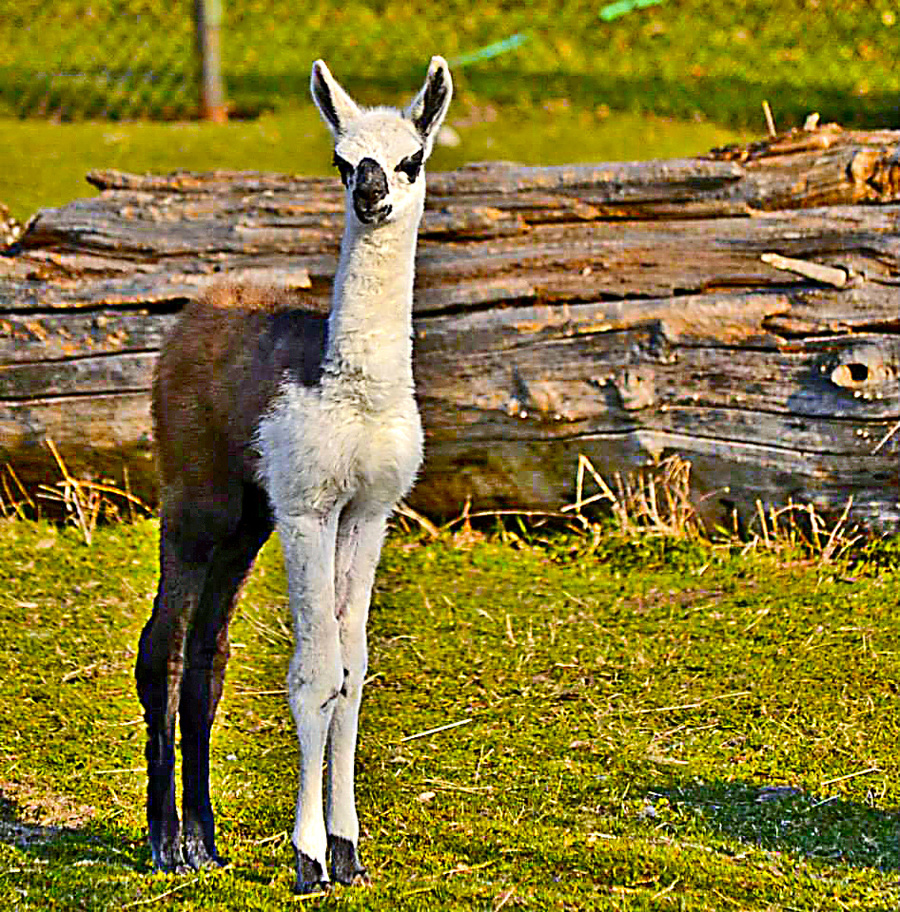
(621, 7)
(493, 50)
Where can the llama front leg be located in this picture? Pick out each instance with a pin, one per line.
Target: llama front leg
(359, 547)
(315, 678)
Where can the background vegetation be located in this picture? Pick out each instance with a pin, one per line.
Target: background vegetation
(536, 81)
(676, 57)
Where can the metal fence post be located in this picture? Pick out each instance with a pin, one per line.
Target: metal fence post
(208, 18)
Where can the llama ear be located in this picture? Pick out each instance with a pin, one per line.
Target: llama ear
(428, 108)
(335, 105)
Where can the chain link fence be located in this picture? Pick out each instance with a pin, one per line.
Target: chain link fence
(133, 59)
(116, 59)
(129, 59)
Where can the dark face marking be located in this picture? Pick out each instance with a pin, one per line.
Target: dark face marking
(371, 182)
(411, 165)
(344, 167)
(370, 188)
(432, 103)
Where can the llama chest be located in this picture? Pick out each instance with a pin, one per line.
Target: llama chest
(317, 452)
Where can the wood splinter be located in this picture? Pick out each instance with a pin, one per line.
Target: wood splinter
(826, 275)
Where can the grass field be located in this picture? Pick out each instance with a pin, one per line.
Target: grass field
(647, 724)
(678, 57)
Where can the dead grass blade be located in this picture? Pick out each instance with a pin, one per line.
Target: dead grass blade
(14, 505)
(434, 731)
(83, 501)
(405, 510)
(886, 437)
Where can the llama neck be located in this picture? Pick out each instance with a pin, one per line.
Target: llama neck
(370, 327)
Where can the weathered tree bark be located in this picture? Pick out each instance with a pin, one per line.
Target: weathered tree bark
(740, 309)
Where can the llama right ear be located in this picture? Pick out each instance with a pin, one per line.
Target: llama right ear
(428, 108)
(335, 105)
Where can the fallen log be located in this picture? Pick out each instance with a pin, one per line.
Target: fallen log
(741, 309)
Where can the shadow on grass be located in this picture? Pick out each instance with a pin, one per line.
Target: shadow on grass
(84, 848)
(89, 844)
(733, 102)
(784, 819)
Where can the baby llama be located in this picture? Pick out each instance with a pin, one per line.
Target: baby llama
(270, 416)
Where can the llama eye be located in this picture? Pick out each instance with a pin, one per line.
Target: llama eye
(344, 167)
(411, 165)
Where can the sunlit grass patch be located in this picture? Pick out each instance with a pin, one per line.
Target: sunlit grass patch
(624, 724)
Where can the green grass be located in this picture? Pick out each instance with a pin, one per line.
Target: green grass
(655, 724)
(296, 142)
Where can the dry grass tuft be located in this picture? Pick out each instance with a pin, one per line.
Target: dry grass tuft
(82, 502)
(655, 501)
(800, 527)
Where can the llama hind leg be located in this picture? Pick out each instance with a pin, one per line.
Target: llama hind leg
(315, 678)
(204, 676)
(359, 547)
(158, 673)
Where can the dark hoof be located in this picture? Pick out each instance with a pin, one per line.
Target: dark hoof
(198, 856)
(178, 867)
(310, 875)
(307, 887)
(360, 879)
(167, 856)
(346, 868)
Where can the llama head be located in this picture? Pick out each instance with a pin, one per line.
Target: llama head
(380, 152)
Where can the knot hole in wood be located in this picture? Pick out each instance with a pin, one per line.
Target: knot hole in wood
(863, 370)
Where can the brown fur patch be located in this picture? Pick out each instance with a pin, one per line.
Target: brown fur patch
(216, 376)
(231, 295)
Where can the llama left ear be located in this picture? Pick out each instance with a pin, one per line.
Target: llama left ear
(428, 108)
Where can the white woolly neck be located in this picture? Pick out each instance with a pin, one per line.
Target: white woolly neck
(369, 353)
